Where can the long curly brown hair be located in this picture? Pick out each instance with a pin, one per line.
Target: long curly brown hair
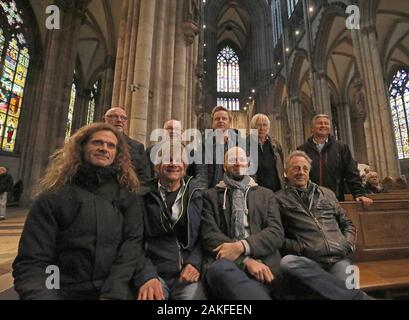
(66, 161)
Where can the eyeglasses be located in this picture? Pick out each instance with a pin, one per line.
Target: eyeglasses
(117, 117)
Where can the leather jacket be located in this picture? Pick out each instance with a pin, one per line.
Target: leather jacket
(320, 231)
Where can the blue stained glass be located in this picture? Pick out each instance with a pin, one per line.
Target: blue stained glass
(399, 100)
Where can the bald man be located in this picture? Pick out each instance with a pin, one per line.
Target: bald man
(117, 117)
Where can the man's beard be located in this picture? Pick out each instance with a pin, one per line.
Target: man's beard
(235, 177)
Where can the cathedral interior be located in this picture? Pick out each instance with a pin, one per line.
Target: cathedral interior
(64, 63)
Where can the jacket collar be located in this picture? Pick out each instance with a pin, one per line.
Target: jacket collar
(222, 185)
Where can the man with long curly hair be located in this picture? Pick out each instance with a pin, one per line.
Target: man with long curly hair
(85, 224)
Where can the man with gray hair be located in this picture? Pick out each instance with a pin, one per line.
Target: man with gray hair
(319, 237)
(332, 161)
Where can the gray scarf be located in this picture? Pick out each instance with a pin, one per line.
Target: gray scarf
(238, 204)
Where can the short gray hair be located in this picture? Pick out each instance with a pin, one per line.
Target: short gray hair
(321, 115)
(257, 117)
(297, 153)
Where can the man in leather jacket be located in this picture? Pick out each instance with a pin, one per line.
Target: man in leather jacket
(319, 237)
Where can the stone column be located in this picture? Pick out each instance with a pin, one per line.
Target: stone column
(296, 123)
(50, 106)
(382, 152)
(345, 124)
(321, 93)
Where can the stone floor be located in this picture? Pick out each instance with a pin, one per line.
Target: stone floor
(10, 232)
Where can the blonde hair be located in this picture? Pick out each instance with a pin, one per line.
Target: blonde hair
(257, 117)
(66, 161)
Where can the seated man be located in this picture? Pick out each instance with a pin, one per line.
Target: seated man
(86, 224)
(173, 256)
(372, 184)
(241, 233)
(319, 237)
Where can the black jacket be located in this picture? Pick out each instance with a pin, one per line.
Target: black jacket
(91, 230)
(139, 160)
(323, 233)
(334, 167)
(6, 183)
(266, 231)
(169, 247)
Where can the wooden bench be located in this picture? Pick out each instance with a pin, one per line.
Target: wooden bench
(393, 195)
(382, 248)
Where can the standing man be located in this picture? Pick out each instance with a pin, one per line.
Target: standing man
(332, 161)
(175, 132)
(319, 237)
(117, 117)
(6, 185)
(241, 234)
(210, 172)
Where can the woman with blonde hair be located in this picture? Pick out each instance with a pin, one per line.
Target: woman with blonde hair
(85, 226)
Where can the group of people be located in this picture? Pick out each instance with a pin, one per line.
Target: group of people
(373, 183)
(117, 225)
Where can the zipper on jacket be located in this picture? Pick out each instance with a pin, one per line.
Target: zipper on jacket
(321, 169)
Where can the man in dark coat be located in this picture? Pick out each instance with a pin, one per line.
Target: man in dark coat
(117, 117)
(332, 162)
(319, 237)
(173, 255)
(6, 185)
(83, 235)
(241, 234)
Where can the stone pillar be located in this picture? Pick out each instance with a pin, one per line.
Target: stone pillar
(321, 93)
(345, 124)
(296, 123)
(53, 91)
(382, 152)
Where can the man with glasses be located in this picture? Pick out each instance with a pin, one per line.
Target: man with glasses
(117, 117)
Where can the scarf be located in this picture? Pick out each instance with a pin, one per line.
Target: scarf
(239, 188)
(306, 194)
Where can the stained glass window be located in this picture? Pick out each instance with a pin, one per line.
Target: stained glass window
(73, 97)
(14, 63)
(277, 21)
(399, 99)
(228, 72)
(92, 102)
(228, 79)
(232, 104)
(291, 4)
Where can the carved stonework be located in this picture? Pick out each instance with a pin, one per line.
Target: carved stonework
(190, 31)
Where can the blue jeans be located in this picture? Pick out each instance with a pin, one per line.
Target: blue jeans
(227, 281)
(330, 283)
(174, 289)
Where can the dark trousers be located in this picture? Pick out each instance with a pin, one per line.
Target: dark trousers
(329, 283)
(226, 281)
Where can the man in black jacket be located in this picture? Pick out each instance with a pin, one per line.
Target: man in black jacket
(173, 255)
(6, 185)
(83, 235)
(319, 237)
(332, 162)
(241, 234)
(117, 117)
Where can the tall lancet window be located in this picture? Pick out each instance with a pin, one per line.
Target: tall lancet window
(14, 62)
(399, 98)
(71, 106)
(228, 79)
(92, 102)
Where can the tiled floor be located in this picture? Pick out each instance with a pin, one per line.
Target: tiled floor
(10, 232)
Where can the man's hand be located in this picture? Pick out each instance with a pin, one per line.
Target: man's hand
(151, 290)
(259, 270)
(230, 251)
(365, 201)
(189, 274)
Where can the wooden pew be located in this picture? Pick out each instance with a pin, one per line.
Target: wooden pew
(382, 248)
(392, 195)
